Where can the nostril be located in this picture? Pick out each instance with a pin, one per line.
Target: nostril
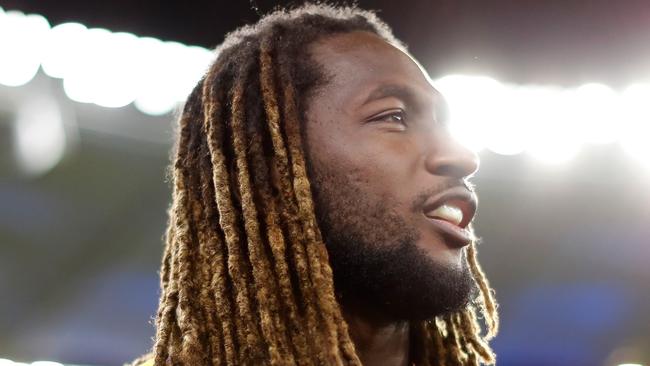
(452, 170)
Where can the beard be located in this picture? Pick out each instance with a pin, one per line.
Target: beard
(377, 264)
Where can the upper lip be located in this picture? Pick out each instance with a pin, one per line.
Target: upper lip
(460, 197)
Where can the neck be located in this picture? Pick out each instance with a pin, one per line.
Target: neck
(378, 340)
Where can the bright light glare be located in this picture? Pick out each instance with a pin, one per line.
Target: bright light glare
(196, 61)
(40, 136)
(503, 135)
(159, 91)
(62, 49)
(46, 363)
(21, 46)
(115, 69)
(104, 73)
(4, 361)
(118, 84)
(550, 123)
(83, 82)
(475, 103)
(597, 107)
(635, 128)
(511, 133)
(630, 364)
(508, 120)
(555, 137)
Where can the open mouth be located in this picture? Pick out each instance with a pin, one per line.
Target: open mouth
(451, 212)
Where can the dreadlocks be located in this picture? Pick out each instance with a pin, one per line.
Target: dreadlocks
(245, 276)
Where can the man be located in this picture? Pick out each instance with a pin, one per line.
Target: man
(321, 210)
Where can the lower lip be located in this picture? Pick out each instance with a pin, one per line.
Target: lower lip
(459, 236)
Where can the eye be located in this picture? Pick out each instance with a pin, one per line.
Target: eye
(393, 116)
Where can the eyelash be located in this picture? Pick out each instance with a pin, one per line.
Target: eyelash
(385, 116)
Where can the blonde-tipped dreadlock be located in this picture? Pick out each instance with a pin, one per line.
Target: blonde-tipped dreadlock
(245, 275)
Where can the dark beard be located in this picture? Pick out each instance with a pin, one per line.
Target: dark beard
(377, 264)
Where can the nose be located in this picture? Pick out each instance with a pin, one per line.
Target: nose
(447, 157)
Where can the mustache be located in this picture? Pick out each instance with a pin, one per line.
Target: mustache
(423, 196)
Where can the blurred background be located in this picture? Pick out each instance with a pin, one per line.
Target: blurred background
(554, 95)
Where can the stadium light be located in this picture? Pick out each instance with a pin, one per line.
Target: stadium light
(109, 69)
(635, 124)
(115, 69)
(21, 51)
(62, 49)
(475, 103)
(597, 105)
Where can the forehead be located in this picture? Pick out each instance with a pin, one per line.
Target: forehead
(359, 63)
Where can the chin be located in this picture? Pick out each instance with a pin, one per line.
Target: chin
(438, 283)
(444, 254)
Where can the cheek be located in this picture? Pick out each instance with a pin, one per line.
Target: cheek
(389, 169)
(379, 163)
(369, 172)
(381, 187)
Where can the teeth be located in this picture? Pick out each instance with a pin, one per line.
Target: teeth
(447, 213)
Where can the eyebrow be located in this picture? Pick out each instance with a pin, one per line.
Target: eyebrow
(405, 93)
(410, 97)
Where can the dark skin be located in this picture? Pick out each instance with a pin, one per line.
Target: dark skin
(378, 120)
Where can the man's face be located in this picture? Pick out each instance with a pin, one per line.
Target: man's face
(381, 160)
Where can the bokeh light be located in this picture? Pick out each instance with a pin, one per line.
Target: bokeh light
(21, 51)
(596, 106)
(109, 69)
(475, 103)
(635, 122)
(39, 135)
(62, 49)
